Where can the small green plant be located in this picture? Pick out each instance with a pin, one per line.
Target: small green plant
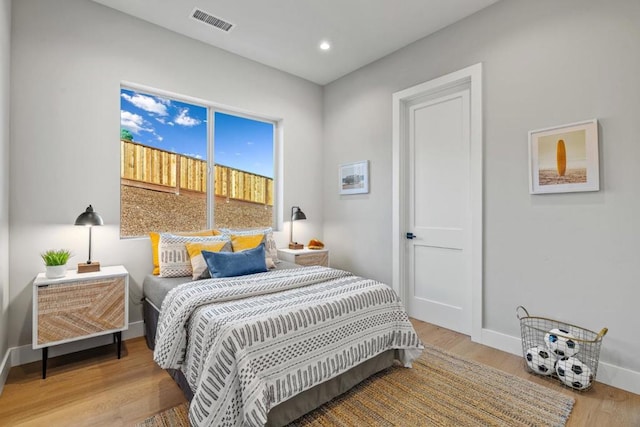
(55, 257)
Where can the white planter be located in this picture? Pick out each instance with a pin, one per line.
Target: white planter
(56, 271)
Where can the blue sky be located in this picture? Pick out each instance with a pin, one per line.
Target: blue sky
(244, 144)
(182, 128)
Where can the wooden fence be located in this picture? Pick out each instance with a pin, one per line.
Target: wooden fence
(151, 168)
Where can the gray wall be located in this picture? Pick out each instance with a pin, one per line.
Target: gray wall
(5, 50)
(567, 256)
(68, 60)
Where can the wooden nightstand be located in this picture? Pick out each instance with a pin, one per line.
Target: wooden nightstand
(80, 306)
(305, 256)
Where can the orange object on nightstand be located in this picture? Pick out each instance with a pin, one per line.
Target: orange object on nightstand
(315, 244)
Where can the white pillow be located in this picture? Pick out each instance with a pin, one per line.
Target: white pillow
(173, 256)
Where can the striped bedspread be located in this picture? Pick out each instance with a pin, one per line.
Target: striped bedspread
(246, 344)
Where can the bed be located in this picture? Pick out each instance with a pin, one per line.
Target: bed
(266, 348)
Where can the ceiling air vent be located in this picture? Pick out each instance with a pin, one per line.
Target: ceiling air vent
(214, 21)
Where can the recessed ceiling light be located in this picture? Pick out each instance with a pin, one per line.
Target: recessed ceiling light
(325, 45)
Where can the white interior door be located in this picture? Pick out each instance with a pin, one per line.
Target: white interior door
(439, 217)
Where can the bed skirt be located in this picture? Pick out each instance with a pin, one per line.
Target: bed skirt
(298, 405)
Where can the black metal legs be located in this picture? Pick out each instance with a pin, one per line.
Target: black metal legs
(117, 336)
(117, 339)
(45, 356)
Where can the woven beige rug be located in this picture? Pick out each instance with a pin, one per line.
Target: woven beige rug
(442, 389)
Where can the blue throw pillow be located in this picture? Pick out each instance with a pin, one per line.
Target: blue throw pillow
(229, 264)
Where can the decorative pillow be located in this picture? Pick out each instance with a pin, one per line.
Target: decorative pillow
(173, 255)
(270, 248)
(155, 240)
(229, 264)
(270, 263)
(244, 242)
(198, 264)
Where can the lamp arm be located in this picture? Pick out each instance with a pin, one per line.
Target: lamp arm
(291, 227)
(89, 260)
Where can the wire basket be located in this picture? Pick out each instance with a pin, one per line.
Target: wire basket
(559, 350)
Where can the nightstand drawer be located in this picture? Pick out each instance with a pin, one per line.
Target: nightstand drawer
(73, 310)
(305, 256)
(321, 258)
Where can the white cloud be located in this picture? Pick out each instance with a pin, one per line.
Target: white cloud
(159, 138)
(249, 142)
(148, 103)
(197, 156)
(183, 119)
(161, 120)
(133, 122)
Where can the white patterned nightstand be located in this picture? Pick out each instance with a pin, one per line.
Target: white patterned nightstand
(79, 306)
(305, 256)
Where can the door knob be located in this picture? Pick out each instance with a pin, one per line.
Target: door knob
(411, 236)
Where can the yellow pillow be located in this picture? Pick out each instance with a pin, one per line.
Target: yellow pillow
(242, 243)
(198, 264)
(155, 241)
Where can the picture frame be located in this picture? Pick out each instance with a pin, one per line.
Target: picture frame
(564, 159)
(353, 178)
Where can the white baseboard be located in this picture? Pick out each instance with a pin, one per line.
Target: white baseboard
(615, 376)
(609, 374)
(26, 354)
(4, 369)
(502, 342)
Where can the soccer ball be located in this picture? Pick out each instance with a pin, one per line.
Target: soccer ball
(574, 373)
(561, 342)
(541, 360)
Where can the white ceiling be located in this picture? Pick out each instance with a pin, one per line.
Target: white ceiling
(285, 34)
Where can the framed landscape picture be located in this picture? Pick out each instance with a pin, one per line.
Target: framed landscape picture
(354, 177)
(564, 159)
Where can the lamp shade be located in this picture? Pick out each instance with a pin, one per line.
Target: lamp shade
(89, 217)
(297, 214)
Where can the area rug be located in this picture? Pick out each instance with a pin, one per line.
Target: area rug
(442, 389)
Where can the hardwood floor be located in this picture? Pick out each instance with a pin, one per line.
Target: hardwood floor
(89, 388)
(93, 388)
(601, 406)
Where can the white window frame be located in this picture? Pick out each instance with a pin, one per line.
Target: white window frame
(212, 108)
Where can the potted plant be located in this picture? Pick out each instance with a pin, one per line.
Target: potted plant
(55, 261)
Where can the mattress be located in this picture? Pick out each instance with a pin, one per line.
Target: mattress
(155, 288)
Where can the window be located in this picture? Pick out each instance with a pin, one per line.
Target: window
(243, 149)
(168, 146)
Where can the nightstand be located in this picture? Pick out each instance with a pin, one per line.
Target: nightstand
(79, 306)
(305, 256)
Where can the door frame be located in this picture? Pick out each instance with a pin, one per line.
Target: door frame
(471, 76)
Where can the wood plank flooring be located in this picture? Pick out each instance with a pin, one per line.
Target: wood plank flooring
(94, 388)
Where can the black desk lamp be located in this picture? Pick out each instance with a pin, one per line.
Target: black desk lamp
(296, 214)
(89, 218)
